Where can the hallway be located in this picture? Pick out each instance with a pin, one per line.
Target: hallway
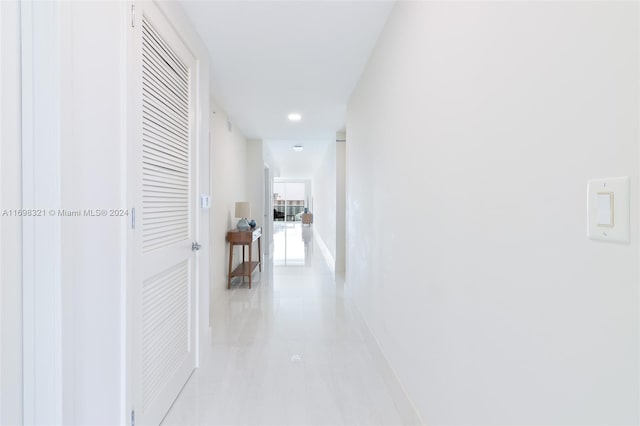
(292, 350)
(471, 170)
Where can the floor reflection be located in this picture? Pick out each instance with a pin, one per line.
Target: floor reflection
(292, 244)
(289, 351)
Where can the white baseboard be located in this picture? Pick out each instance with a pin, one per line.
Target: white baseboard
(405, 406)
(326, 253)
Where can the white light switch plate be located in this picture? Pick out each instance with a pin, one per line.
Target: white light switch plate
(205, 201)
(608, 209)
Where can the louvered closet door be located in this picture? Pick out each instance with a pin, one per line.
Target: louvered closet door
(162, 171)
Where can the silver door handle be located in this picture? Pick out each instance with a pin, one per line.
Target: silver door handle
(195, 246)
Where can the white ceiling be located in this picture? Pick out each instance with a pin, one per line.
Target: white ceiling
(270, 58)
(297, 165)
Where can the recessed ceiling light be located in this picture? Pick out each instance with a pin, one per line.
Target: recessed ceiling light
(298, 148)
(294, 116)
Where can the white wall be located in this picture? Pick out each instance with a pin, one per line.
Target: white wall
(10, 227)
(324, 204)
(228, 185)
(270, 159)
(93, 176)
(472, 134)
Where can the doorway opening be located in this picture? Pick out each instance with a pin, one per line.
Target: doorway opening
(291, 199)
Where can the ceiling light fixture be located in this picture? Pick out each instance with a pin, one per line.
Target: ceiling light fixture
(294, 116)
(298, 148)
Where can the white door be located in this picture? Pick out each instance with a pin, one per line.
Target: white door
(161, 181)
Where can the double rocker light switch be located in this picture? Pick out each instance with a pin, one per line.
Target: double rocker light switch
(608, 203)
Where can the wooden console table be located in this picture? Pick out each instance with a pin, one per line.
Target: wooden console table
(243, 238)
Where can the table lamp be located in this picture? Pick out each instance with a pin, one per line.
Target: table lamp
(243, 211)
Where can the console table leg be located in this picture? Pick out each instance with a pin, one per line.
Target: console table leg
(230, 263)
(250, 268)
(259, 255)
(243, 260)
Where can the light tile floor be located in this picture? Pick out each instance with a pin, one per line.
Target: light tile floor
(290, 351)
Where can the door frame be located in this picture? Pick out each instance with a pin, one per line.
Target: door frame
(11, 309)
(41, 251)
(268, 211)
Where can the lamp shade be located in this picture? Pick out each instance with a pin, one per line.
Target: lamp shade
(243, 209)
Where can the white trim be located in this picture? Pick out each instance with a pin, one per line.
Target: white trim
(326, 253)
(267, 217)
(42, 296)
(27, 223)
(209, 239)
(637, 215)
(130, 128)
(124, 230)
(1, 187)
(11, 354)
(195, 205)
(405, 406)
